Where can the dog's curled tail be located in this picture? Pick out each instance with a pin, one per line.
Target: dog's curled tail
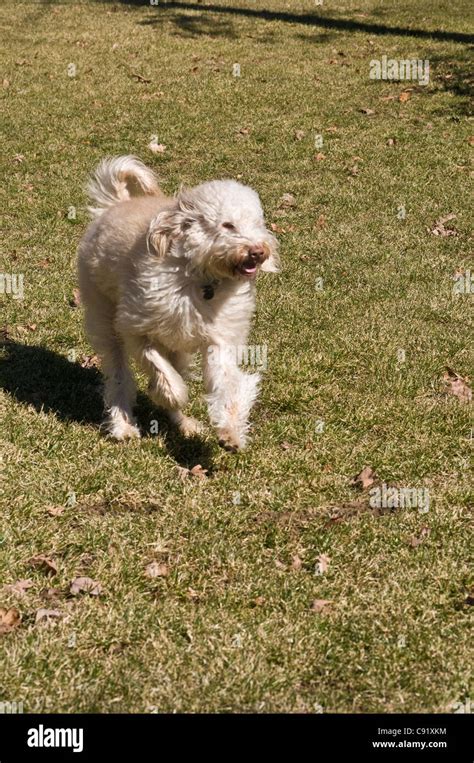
(119, 178)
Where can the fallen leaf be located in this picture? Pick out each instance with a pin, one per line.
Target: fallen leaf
(457, 385)
(333, 128)
(45, 614)
(259, 601)
(278, 229)
(43, 563)
(243, 131)
(55, 511)
(9, 619)
(319, 157)
(156, 570)
(183, 473)
(85, 585)
(364, 479)
(193, 595)
(470, 140)
(368, 112)
(296, 563)
(6, 83)
(285, 445)
(31, 326)
(75, 301)
(156, 148)
(323, 563)
(18, 158)
(279, 565)
(404, 97)
(391, 142)
(89, 361)
(19, 587)
(439, 228)
(299, 134)
(319, 605)
(417, 540)
(198, 471)
(287, 201)
(354, 170)
(43, 263)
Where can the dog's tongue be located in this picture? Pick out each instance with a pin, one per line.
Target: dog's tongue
(249, 268)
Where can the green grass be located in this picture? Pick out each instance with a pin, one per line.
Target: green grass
(230, 628)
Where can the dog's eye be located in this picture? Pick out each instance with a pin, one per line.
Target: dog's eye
(229, 226)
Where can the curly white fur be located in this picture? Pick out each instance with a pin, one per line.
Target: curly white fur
(162, 278)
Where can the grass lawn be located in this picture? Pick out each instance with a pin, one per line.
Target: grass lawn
(359, 327)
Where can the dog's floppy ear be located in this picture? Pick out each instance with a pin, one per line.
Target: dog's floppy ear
(272, 264)
(164, 228)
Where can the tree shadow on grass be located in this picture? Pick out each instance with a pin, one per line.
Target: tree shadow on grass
(36, 376)
(308, 19)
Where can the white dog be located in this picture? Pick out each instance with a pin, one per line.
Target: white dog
(161, 278)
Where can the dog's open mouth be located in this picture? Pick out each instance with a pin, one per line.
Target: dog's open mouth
(248, 267)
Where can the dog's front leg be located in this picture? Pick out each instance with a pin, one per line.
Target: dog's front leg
(230, 394)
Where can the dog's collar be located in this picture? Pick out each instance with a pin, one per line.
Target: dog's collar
(208, 289)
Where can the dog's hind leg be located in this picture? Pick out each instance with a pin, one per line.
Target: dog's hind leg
(119, 386)
(230, 395)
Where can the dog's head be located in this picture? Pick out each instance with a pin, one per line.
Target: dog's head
(219, 226)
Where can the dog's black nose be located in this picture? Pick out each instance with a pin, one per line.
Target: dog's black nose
(257, 253)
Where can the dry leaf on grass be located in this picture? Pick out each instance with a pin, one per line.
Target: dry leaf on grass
(364, 479)
(19, 587)
(75, 301)
(470, 140)
(417, 540)
(85, 585)
(9, 620)
(296, 563)
(156, 570)
(43, 563)
(404, 97)
(278, 229)
(368, 112)
(299, 134)
(196, 471)
(89, 361)
(319, 605)
(285, 445)
(55, 511)
(391, 141)
(46, 614)
(457, 385)
(155, 147)
(319, 156)
(439, 228)
(323, 563)
(287, 201)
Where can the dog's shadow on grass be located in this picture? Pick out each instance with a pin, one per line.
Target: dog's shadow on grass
(49, 382)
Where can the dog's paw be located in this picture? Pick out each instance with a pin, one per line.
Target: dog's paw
(230, 440)
(121, 430)
(187, 425)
